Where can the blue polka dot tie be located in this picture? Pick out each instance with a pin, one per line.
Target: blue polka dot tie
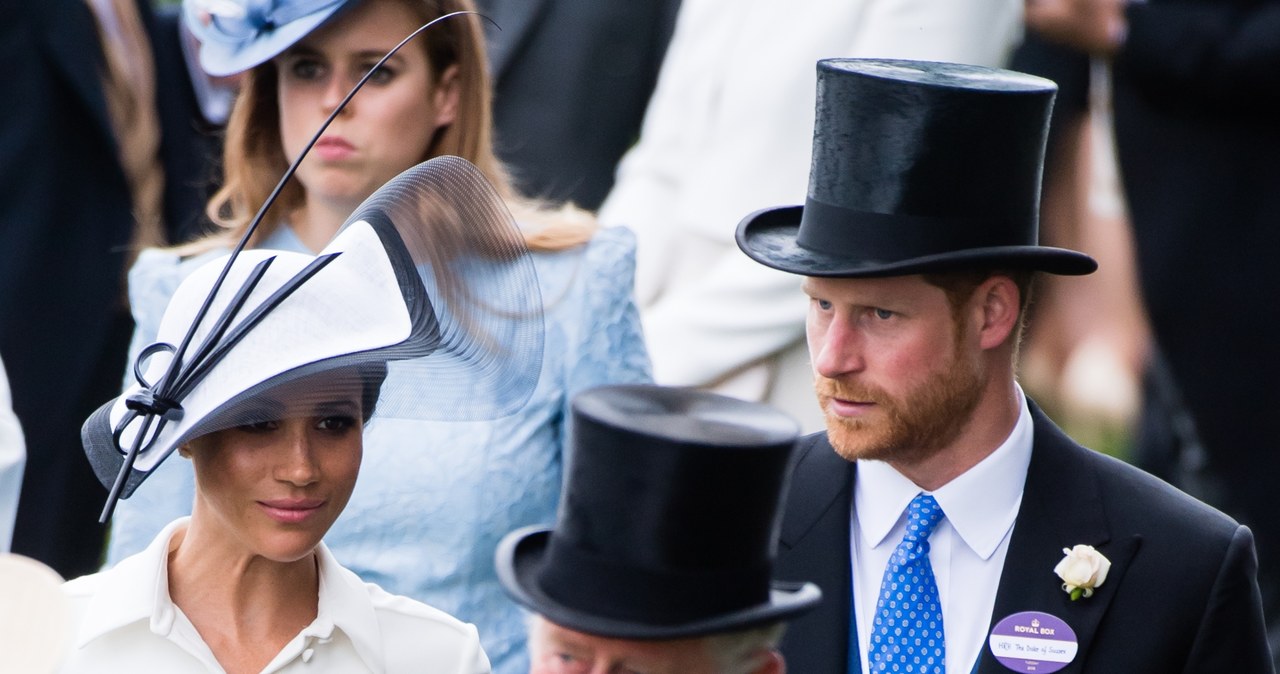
(906, 635)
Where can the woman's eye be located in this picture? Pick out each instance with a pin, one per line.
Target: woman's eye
(305, 69)
(381, 75)
(336, 423)
(260, 426)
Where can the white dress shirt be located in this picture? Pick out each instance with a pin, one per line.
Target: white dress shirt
(124, 621)
(967, 549)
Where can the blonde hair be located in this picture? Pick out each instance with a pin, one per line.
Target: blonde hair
(253, 154)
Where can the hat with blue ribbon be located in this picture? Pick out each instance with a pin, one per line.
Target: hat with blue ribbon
(236, 35)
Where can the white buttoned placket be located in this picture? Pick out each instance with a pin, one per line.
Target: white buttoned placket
(309, 645)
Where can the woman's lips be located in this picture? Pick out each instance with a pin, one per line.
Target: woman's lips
(291, 511)
(333, 148)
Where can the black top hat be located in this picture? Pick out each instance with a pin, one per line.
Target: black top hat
(917, 166)
(668, 523)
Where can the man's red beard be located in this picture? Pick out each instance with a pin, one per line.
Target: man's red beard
(908, 429)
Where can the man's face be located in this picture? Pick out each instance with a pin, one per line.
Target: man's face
(559, 650)
(897, 375)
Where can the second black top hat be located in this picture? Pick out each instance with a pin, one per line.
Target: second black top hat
(917, 166)
(668, 523)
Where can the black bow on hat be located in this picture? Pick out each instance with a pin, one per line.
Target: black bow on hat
(917, 166)
(668, 523)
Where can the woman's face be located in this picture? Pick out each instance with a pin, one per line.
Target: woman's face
(387, 127)
(274, 488)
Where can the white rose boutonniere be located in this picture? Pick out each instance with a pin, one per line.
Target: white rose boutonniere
(1082, 570)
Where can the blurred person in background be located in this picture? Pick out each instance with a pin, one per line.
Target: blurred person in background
(87, 178)
(1195, 85)
(1087, 343)
(726, 133)
(423, 524)
(571, 79)
(13, 456)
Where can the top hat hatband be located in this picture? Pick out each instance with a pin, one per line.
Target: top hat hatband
(668, 524)
(917, 166)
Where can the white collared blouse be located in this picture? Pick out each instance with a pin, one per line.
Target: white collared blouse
(123, 620)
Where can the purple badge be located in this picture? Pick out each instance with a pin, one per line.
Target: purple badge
(1032, 641)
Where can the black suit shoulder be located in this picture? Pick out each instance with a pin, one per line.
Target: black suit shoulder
(1181, 594)
(1136, 500)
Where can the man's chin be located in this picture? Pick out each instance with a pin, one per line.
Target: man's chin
(853, 440)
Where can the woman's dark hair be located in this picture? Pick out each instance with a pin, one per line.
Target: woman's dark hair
(373, 375)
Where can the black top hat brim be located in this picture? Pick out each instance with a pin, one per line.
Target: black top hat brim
(522, 554)
(769, 236)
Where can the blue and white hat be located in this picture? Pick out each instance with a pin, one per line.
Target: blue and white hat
(236, 35)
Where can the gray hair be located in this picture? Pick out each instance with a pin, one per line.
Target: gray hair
(740, 652)
(737, 652)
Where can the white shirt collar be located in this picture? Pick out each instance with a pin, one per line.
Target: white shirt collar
(981, 504)
(140, 591)
(344, 604)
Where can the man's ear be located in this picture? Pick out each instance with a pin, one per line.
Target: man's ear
(998, 304)
(771, 663)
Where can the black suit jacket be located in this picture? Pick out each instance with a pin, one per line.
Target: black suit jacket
(572, 79)
(65, 221)
(1181, 595)
(1196, 90)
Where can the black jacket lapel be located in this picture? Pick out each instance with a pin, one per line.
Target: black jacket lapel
(814, 546)
(1061, 507)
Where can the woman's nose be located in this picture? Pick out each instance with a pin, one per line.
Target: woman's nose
(335, 90)
(297, 463)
